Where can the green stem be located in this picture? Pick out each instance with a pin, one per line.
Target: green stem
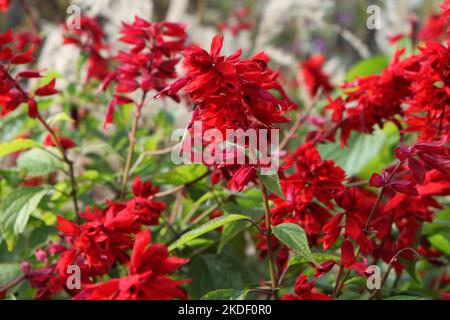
(273, 277)
(132, 146)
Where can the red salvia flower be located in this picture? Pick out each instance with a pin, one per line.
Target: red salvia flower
(150, 61)
(313, 75)
(304, 290)
(11, 92)
(106, 235)
(90, 38)
(148, 277)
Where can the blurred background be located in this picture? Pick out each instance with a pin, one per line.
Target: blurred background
(289, 31)
(297, 27)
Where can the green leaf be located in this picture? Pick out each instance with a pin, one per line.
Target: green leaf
(229, 232)
(15, 211)
(16, 145)
(38, 162)
(183, 174)
(225, 294)
(209, 226)
(295, 238)
(410, 267)
(272, 182)
(233, 229)
(362, 149)
(360, 281)
(440, 242)
(211, 272)
(59, 117)
(9, 271)
(318, 257)
(350, 295)
(386, 155)
(367, 67)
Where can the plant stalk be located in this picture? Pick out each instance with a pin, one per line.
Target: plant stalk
(273, 277)
(132, 146)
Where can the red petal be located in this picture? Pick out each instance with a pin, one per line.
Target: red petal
(352, 229)
(68, 227)
(6, 37)
(348, 254)
(216, 45)
(32, 109)
(406, 187)
(376, 181)
(47, 90)
(117, 100)
(417, 170)
(432, 146)
(24, 57)
(29, 74)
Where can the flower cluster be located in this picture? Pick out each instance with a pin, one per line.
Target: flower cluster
(309, 202)
(415, 88)
(148, 278)
(314, 77)
(309, 192)
(102, 242)
(11, 92)
(231, 93)
(304, 290)
(149, 63)
(89, 38)
(105, 237)
(370, 101)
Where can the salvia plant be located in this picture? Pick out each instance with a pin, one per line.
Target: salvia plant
(340, 194)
